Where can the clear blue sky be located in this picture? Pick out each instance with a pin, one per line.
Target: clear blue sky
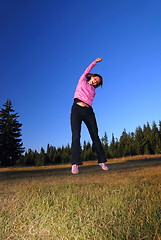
(45, 46)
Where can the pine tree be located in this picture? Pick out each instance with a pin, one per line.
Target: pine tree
(159, 136)
(146, 139)
(29, 158)
(113, 148)
(139, 140)
(104, 141)
(123, 144)
(10, 133)
(155, 139)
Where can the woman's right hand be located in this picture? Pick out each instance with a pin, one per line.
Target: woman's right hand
(98, 60)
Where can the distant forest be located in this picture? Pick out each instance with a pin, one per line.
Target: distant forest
(145, 140)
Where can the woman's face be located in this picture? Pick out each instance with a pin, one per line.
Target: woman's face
(94, 81)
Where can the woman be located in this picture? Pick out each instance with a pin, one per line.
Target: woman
(82, 111)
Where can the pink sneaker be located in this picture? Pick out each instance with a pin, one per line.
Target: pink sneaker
(103, 166)
(74, 169)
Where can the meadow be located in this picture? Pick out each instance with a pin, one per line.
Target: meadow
(49, 203)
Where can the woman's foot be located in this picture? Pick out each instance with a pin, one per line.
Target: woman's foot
(103, 166)
(75, 169)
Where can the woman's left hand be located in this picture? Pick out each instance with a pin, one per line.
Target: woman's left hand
(98, 60)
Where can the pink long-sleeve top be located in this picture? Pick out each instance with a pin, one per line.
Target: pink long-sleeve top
(84, 91)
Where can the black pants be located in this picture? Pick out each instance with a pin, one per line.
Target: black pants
(85, 114)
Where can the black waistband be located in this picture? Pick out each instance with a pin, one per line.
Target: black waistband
(78, 100)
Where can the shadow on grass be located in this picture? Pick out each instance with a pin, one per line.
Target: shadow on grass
(128, 166)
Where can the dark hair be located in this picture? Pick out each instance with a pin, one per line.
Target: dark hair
(89, 75)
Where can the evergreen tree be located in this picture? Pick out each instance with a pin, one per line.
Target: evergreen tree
(139, 139)
(159, 136)
(155, 139)
(52, 154)
(58, 155)
(64, 155)
(146, 139)
(104, 141)
(113, 148)
(29, 158)
(132, 144)
(10, 133)
(123, 147)
(88, 152)
(160, 127)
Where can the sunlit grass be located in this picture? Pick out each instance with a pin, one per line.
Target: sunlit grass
(87, 163)
(123, 203)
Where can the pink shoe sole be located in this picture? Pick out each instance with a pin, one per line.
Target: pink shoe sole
(103, 166)
(74, 169)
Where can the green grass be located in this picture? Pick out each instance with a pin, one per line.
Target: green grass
(123, 203)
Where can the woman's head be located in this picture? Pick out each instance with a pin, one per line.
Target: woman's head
(94, 79)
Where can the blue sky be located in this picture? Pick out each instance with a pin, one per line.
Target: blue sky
(46, 45)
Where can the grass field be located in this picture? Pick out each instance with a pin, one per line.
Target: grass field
(49, 203)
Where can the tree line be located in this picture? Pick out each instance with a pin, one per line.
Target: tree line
(144, 140)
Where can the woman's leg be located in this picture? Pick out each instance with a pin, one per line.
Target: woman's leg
(91, 124)
(76, 122)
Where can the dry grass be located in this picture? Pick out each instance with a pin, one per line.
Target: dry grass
(88, 163)
(52, 204)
